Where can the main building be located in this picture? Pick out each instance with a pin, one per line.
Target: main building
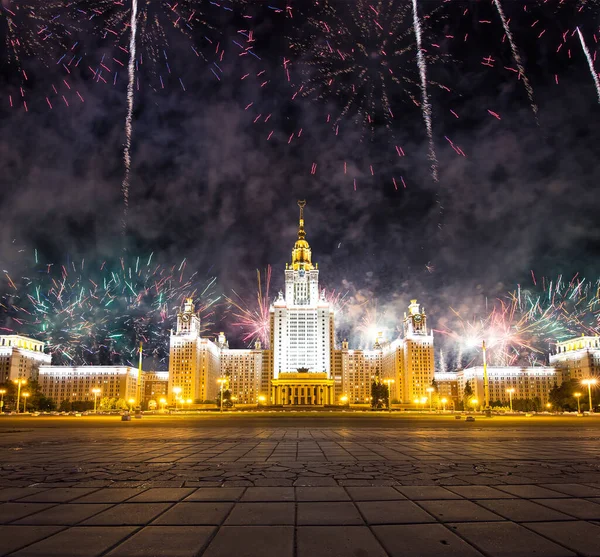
(302, 366)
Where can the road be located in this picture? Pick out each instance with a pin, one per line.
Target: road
(354, 420)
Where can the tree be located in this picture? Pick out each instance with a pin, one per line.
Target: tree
(35, 401)
(467, 394)
(435, 386)
(562, 397)
(379, 395)
(226, 399)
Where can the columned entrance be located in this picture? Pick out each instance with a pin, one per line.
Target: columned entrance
(302, 389)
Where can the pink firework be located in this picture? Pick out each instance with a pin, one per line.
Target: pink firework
(253, 318)
(507, 333)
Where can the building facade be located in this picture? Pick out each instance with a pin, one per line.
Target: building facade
(155, 386)
(243, 371)
(409, 361)
(577, 358)
(527, 382)
(76, 383)
(21, 357)
(447, 387)
(194, 362)
(357, 370)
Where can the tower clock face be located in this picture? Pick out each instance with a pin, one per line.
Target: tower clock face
(417, 318)
(185, 317)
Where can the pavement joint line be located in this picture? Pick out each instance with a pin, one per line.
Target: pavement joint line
(525, 525)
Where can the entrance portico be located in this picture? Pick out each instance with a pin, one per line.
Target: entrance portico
(303, 389)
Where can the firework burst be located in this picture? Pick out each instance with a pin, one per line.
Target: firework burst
(367, 55)
(99, 314)
(34, 32)
(253, 318)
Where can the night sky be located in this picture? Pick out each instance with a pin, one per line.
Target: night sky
(207, 185)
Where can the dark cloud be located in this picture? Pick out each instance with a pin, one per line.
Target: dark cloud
(207, 185)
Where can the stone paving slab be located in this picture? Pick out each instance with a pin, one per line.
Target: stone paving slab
(300, 493)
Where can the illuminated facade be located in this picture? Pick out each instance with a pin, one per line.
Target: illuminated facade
(21, 357)
(302, 333)
(527, 382)
(409, 361)
(155, 385)
(243, 371)
(357, 369)
(577, 358)
(447, 387)
(76, 383)
(194, 364)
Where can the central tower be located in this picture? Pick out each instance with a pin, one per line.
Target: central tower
(302, 326)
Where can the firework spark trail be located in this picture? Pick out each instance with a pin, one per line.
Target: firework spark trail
(88, 314)
(254, 319)
(590, 63)
(517, 58)
(128, 121)
(425, 97)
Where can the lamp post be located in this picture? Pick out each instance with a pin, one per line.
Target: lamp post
(443, 401)
(25, 396)
(96, 393)
(474, 402)
(189, 403)
(176, 390)
(486, 382)
(423, 402)
(131, 403)
(2, 393)
(389, 386)
(510, 394)
(429, 392)
(589, 382)
(163, 403)
(261, 400)
(578, 396)
(19, 382)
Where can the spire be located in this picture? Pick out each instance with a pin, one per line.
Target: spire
(301, 233)
(301, 254)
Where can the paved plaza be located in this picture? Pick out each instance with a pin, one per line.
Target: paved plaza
(299, 486)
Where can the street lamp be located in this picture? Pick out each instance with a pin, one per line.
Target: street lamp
(25, 395)
(344, 399)
(389, 386)
(131, 403)
(510, 394)
(486, 381)
(19, 382)
(189, 403)
(578, 396)
(96, 393)
(589, 382)
(444, 401)
(430, 391)
(474, 402)
(163, 403)
(2, 393)
(548, 405)
(261, 400)
(176, 390)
